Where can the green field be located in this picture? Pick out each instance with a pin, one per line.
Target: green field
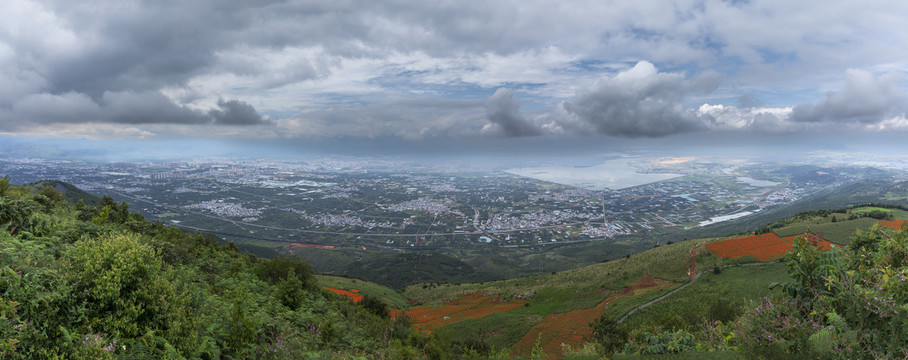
(834, 232)
(393, 298)
(712, 295)
(840, 231)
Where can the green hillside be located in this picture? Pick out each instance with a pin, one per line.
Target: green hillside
(82, 281)
(71, 193)
(387, 295)
(96, 282)
(720, 302)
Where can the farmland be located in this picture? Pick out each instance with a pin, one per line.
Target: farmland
(727, 291)
(763, 247)
(464, 307)
(393, 298)
(572, 328)
(559, 307)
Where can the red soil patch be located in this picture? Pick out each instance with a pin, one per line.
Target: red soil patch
(756, 241)
(464, 307)
(572, 328)
(764, 247)
(349, 294)
(726, 249)
(294, 246)
(894, 225)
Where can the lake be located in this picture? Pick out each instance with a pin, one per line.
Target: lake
(611, 175)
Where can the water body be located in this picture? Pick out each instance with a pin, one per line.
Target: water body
(611, 175)
(756, 183)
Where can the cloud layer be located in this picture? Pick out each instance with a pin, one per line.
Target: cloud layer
(486, 69)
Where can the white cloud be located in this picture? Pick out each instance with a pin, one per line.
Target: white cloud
(864, 99)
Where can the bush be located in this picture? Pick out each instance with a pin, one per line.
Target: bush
(276, 270)
(607, 333)
(375, 306)
(122, 278)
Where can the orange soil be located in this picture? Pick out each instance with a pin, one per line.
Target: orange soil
(466, 306)
(349, 294)
(764, 247)
(294, 246)
(572, 328)
(894, 225)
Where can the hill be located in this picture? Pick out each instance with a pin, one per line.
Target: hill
(99, 282)
(71, 193)
(96, 282)
(557, 311)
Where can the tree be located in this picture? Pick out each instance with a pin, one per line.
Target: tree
(4, 185)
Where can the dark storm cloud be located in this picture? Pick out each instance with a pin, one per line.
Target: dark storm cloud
(235, 112)
(502, 111)
(864, 99)
(129, 108)
(642, 102)
(141, 46)
(146, 45)
(148, 108)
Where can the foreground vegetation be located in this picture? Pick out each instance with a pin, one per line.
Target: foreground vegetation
(83, 281)
(97, 282)
(844, 303)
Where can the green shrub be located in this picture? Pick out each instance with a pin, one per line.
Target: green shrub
(122, 278)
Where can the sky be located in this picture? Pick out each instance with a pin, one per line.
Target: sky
(471, 77)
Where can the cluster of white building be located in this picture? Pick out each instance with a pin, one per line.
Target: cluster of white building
(222, 208)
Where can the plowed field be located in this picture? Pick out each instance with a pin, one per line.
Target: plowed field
(351, 294)
(894, 225)
(572, 328)
(764, 247)
(466, 306)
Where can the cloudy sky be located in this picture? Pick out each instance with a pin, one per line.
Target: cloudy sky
(409, 74)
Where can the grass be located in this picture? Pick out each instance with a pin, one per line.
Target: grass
(393, 298)
(619, 307)
(834, 232)
(566, 291)
(727, 354)
(713, 297)
(500, 330)
(689, 307)
(672, 263)
(868, 209)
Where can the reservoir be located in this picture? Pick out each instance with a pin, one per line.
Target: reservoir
(611, 175)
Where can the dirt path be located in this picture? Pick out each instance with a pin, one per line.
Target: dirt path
(653, 301)
(556, 330)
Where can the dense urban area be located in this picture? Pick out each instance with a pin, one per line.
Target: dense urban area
(358, 204)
